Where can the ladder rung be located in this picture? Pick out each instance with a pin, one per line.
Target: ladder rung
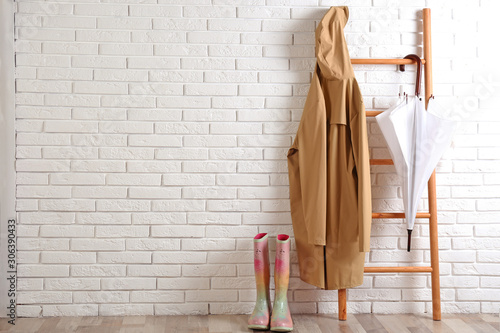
(398, 215)
(402, 269)
(384, 61)
(381, 162)
(372, 113)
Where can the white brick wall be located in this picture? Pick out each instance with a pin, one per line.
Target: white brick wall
(151, 148)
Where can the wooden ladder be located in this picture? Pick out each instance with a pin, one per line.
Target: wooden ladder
(431, 186)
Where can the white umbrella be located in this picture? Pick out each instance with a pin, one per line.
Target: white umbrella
(391, 137)
(417, 139)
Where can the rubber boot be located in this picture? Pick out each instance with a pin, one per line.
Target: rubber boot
(259, 319)
(281, 320)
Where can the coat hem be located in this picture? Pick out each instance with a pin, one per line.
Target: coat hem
(348, 286)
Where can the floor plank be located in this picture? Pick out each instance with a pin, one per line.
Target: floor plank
(370, 323)
(478, 324)
(458, 325)
(319, 323)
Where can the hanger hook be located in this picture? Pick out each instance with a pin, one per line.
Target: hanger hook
(417, 59)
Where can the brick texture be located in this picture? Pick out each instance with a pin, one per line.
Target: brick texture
(151, 148)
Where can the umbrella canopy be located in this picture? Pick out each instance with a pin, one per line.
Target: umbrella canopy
(417, 139)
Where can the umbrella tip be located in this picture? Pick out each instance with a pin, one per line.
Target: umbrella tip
(409, 239)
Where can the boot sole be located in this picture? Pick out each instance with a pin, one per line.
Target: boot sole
(282, 329)
(258, 327)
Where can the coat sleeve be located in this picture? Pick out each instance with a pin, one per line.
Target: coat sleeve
(359, 139)
(311, 143)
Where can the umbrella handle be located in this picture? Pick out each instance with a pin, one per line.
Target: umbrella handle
(409, 240)
(417, 59)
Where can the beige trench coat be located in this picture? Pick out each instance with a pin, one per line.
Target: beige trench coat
(329, 169)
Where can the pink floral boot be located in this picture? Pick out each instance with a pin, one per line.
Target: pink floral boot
(259, 320)
(281, 320)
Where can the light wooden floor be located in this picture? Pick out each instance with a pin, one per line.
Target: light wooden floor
(356, 323)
